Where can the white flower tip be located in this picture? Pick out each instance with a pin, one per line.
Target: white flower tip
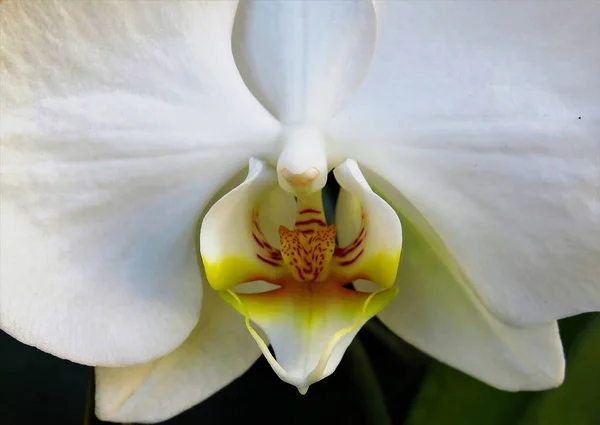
(302, 165)
(301, 182)
(303, 390)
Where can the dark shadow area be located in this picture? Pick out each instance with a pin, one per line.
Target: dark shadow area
(37, 388)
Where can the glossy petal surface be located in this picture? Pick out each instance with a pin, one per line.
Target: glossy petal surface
(118, 125)
(438, 311)
(485, 115)
(304, 59)
(217, 351)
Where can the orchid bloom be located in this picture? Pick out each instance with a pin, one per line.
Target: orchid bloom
(132, 242)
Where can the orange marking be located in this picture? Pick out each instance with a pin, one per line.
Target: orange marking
(347, 263)
(307, 255)
(257, 240)
(269, 262)
(342, 252)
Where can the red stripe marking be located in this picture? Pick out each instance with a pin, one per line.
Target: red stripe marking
(307, 232)
(257, 241)
(342, 252)
(352, 247)
(362, 232)
(347, 263)
(269, 262)
(308, 211)
(311, 221)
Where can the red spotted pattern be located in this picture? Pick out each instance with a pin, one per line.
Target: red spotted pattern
(307, 250)
(308, 256)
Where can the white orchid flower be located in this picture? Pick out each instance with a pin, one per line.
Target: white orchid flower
(125, 126)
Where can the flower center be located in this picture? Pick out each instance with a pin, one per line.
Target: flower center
(308, 315)
(308, 255)
(308, 249)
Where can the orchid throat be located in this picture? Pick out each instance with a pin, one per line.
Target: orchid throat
(276, 236)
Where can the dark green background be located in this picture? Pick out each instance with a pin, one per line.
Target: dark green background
(381, 380)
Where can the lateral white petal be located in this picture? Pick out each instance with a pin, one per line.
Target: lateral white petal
(362, 216)
(233, 246)
(303, 59)
(218, 350)
(485, 115)
(437, 311)
(117, 128)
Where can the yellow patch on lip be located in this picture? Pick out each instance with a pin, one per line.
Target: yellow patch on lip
(318, 316)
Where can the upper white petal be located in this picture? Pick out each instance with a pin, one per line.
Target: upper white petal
(217, 351)
(303, 59)
(437, 311)
(485, 115)
(119, 122)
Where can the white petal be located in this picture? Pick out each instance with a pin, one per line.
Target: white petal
(118, 125)
(358, 210)
(485, 115)
(439, 313)
(302, 60)
(217, 352)
(276, 209)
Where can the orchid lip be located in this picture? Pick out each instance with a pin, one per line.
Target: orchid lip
(308, 315)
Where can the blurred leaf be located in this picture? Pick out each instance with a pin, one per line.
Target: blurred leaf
(449, 397)
(36, 387)
(90, 400)
(577, 401)
(366, 386)
(400, 349)
(399, 367)
(330, 194)
(259, 396)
